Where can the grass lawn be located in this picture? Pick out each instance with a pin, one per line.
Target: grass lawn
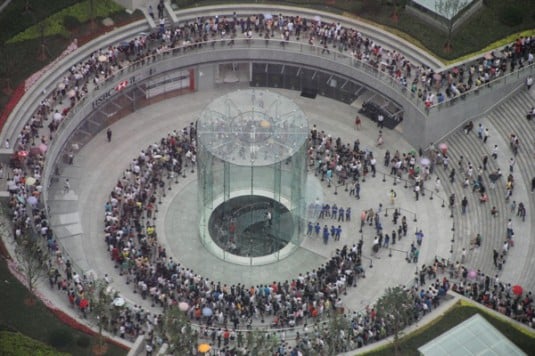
(16, 17)
(38, 322)
(456, 315)
(20, 59)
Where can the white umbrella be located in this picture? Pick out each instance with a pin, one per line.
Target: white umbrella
(268, 16)
(317, 18)
(32, 200)
(102, 58)
(30, 181)
(61, 86)
(57, 116)
(119, 302)
(71, 93)
(183, 306)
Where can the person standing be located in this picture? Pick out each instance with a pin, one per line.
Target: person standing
(358, 122)
(464, 204)
(486, 135)
(380, 139)
(452, 175)
(419, 237)
(109, 134)
(437, 184)
(380, 121)
(66, 186)
(495, 152)
(310, 228)
(325, 234)
(341, 214)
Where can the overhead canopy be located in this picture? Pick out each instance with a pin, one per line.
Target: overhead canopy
(474, 336)
(431, 5)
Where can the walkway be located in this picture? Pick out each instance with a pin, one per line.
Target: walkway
(508, 118)
(77, 217)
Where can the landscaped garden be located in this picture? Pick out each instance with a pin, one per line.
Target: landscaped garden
(35, 32)
(19, 317)
(409, 344)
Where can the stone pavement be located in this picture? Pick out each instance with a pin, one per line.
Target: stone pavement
(78, 215)
(506, 119)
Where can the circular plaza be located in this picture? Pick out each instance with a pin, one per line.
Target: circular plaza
(249, 188)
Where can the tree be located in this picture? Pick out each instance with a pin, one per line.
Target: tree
(32, 262)
(336, 332)
(448, 9)
(6, 70)
(100, 303)
(396, 308)
(43, 50)
(261, 343)
(92, 15)
(183, 338)
(395, 12)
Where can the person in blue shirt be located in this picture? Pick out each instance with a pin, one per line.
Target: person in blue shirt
(341, 214)
(338, 233)
(348, 214)
(334, 211)
(310, 227)
(317, 228)
(325, 234)
(419, 237)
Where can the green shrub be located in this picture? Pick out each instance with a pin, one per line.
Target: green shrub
(371, 6)
(13, 343)
(83, 341)
(511, 15)
(60, 338)
(55, 25)
(71, 22)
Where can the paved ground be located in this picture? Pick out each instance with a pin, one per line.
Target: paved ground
(78, 215)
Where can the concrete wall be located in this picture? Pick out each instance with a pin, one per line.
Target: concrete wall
(419, 126)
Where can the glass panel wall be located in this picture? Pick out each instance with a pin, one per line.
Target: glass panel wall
(252, 176)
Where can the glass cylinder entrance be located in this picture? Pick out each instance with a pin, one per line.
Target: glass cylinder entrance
(252, 176)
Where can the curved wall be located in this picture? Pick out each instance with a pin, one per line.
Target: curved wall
(420, 126)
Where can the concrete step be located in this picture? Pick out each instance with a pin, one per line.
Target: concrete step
(509, 118)
(478, 218)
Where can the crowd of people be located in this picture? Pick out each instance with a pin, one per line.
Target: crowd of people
(131, 236)
(497, 295)
(427, 85)
(133, 245)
